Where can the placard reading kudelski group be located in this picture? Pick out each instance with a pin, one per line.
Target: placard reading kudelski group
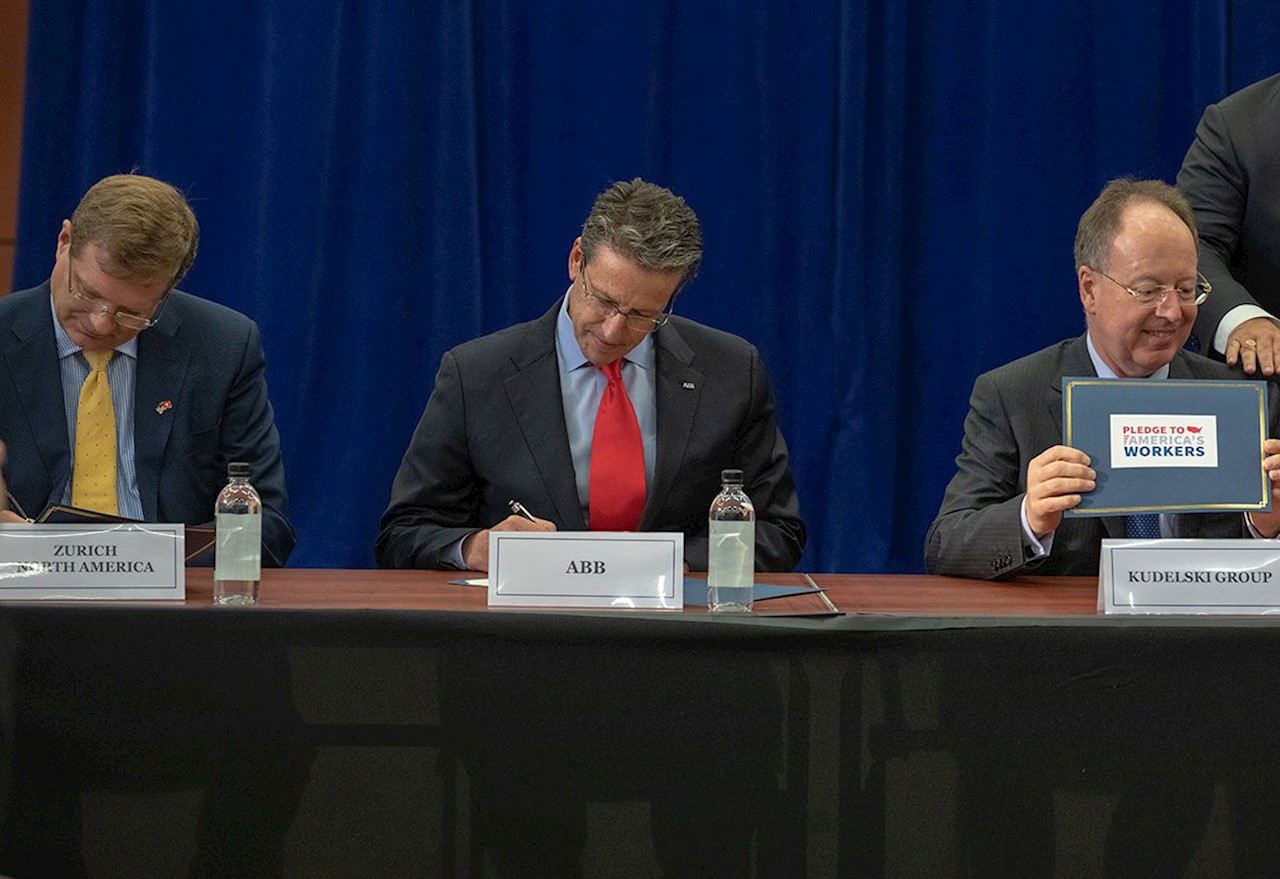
(1168, 446)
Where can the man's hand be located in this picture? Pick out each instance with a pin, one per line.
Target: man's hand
(1268, 524)
(1055, 480)
(475, 549)
(1255, 344)
(6, 514)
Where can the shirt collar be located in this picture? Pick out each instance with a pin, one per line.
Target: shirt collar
(66, 347)
(1104, 371)
(570, 353)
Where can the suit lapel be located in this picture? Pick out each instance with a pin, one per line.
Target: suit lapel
(1178, 367)
(163, 361)
(1075, 362)
(679, 389)
(533, 390)
(29, 358)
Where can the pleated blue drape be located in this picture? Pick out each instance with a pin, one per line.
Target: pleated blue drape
(889, 193)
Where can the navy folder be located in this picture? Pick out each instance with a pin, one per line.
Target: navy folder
(1168, 445)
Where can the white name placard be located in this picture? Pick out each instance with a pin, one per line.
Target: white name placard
(586, 569)
(1189, 577)
(110, 562)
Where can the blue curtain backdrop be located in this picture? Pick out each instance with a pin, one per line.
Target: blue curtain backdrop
(889, 193)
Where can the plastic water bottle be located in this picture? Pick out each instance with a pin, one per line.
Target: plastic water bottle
(732, 561)
(237, 566)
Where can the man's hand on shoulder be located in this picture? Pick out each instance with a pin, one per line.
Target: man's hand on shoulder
(1255, 345)
(1055, 480)
(475, 548)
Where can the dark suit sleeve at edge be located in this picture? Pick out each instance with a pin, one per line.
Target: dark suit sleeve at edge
(978, 530)
(762, 453)
(258, 442)
(1212, 179)
(249, 434)
(435, 497)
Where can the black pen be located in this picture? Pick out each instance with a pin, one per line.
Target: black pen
(519, 510)
(15, 506)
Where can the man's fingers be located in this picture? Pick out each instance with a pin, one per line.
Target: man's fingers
(1266, 353)
(1063, 486)
(1058, 503)
(1249, 356)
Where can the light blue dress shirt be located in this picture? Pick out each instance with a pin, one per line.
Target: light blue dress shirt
(122, 371)
(581, 387)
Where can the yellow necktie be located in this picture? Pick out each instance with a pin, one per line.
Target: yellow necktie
(93, 481)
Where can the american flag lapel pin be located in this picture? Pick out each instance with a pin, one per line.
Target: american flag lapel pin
(163, 407)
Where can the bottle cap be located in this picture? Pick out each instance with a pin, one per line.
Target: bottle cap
(238, 468)
(733, 477)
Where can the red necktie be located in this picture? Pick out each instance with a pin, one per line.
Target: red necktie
(616, 485)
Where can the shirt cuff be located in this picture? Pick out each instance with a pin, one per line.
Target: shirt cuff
(1254, 532)
(1039, 547)
(453, 554)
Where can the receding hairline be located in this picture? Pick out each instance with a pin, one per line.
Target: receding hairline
(1102, 222)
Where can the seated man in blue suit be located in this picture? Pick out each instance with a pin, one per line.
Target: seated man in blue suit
(186, 392)
(185, 375)
(514, 414)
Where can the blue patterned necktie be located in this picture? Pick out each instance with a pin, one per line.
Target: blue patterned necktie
(1145, 526)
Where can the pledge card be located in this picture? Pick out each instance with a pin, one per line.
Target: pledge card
(1168, 445)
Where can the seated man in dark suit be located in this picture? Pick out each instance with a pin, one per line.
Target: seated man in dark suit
(1231, 177)
(513, 415)
(184, 376)
(121, 394)
(1002, 515)
(529, 413)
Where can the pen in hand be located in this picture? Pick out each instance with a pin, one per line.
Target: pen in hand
(519, 510)
(15, 506)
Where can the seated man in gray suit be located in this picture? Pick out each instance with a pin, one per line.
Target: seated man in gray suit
(1135, 256)
(514, 414)
(1231, 177)
(184, 376)
(1002, 515)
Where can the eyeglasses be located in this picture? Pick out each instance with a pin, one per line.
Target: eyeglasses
(607, 308)
(1193, 295)
(98, 305)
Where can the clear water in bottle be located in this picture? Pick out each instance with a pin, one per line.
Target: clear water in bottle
(731, 569)
(731, 556)
(237, 567)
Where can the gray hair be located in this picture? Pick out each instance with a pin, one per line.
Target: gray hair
(646, 223)
(1101, 222)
